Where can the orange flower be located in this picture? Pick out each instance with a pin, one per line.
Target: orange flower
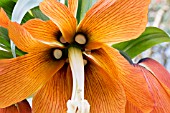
(159, 85)
(20, 107)
(58, 49)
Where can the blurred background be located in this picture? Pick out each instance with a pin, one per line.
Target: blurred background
(159, 16)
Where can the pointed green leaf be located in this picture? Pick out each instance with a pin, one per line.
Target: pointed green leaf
(4, 42)
(4, 39)
(36, 12)
(4, 33)
(5, 54)
(148, 39)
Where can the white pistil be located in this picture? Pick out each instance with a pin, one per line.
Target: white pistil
(77, 104)
(62, 40)
(80, 39)
(57, 53)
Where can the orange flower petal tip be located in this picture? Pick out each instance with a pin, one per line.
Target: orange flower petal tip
(3, 18)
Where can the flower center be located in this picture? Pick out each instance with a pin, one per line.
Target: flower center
(77, 104)
(57, 53)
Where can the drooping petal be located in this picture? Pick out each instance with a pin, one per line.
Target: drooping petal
(10, 109)
(132, 79)
(73, 6)
(104, 94)
(113, 21)
(23, 39)
(46, 31)
(61, 16)
(160, 93)
(22, 76)
(24, 107)
(3, 18)
(52, 97)
(157, 70)
(130, 108)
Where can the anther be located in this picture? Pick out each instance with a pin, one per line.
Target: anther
(80, 39)
(67, 60)
(57, 53)
(85, 62)
(62, 40)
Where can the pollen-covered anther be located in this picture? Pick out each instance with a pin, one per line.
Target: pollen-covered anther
(85, 62)
(62, 40)
(80, 39)
(57, 53)
(67, 60)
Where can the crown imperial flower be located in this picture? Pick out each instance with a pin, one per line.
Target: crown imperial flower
(71, 68)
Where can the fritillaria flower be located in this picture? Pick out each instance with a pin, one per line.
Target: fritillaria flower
(71, 68)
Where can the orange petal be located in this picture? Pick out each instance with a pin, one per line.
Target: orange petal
(46, 31)
(73, 6)
(160, 94)
(22, 76)
(130, 108)
(157, 70)
(61, 16)
(24, 107)
(10, 109)
(52, 97)
(113, 21)
(132, 78)
(23, 39)
(104, 94)
(3, 18)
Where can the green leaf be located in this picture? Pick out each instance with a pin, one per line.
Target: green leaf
(15, 0)
(5, 54)
(8, 6)
(148, 39)
(36, 12)
(4, 42)
(4, 33)
(4, 39)
(83, 7)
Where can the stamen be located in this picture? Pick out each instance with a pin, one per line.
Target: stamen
(80, 39)
(77, 104)
(85, 62)
(67, 61)
(57, 53)
(62, 40)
